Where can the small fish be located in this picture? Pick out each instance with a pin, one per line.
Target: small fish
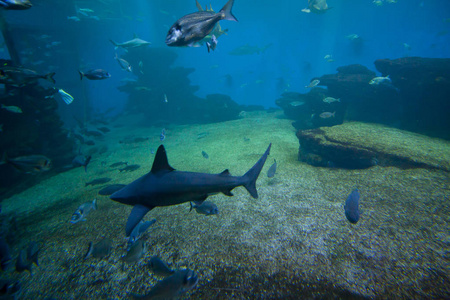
(97, 74)
(139, 230)
(352, 37)
(205, 155)
(98, 181)
(351, 207)
(379, 80)
(82, 211)
(313, 83)
(130, 168)
(85, 10)
(73, 18)
(123, 64)
(328, 56)
(165, 99)
(316, 6)
(173, 286)
(162, 136)
(99, 250)
(118, 164)
(159, 267)
(272, 170)
(212, 44)
(67, 98)
(81, 160)
(297, 103)
(192, 28)
(15, 4)
(331, 100)
(205, 208)
(5, 254)
(13, 109)
(141, 67)
(22, 263)
(326, 115)
(111, 189)
(30, 163)
(202, 135)
(135, 253)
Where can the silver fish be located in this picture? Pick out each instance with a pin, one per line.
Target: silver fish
(272, 170)
(123, 64)
(194, 27)
(82, 211)
(206, 208)
(134, 43)
(327, 114)
(313, 83)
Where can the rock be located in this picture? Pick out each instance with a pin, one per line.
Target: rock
(357, 145)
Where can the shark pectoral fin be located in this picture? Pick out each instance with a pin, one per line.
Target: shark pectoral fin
(136, 215)
(225, 173)
(227, 192)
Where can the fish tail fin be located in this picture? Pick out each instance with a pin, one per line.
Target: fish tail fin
(89, 253)
(81, 74)
(333, 114)
(94, 202)
(50, 78)
(226, 9)
(190, 203)
(252, 175)
(208, 46)
(114, 43)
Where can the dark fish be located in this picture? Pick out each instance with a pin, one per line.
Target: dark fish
(130, 168)
(272, 170)
(159, 267)
(99, 250)
(9, 289)
(194, 27)
(82, 211)
(205, 155)
(164, 186)
(118, 164)
(5, 254)
(139, 230)
(172, 287)
(206, 208)
(104, 129)
(97, 74)
(351, 207)
(90, 143)
(15, 4)
(162, 136)
(23, 263)
(98, 181)
(33, 252)
(30, 163)
(20, 76)
(135, 253)
(81, 160)
(111, 189)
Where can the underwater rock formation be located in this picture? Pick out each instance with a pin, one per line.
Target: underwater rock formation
(424, 85)
(164, 94)
(356, 145)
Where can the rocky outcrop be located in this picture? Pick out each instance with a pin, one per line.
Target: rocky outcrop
(357, 145)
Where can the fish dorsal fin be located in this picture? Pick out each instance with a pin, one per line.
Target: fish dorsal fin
(161, 164)
(225, 173)
(199, 7)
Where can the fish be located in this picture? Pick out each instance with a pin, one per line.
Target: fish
(15, 4)
(296, 103)
(193, 27)
(95, 74)
(73, 18)
(123, 64)
(139, 230)
(22, 263)
(30, 163)
(99, 250)
(327, 114)
(134, 43)
(205, 208)
(141, 67)
(164, 186)
(98, 181)
(81, 160)
(205, 155)
(159, 267)
(118, 164)
(313, 83)
(5, 254)
(130, 168)
(162, 135)
(85, 10)
(67, 98)
(379, 80)
(82, 211)
(249, 50)
(272, 170)
(13, 109)
(20, 76)
(352, 37)
(172, 287)
(316, 6)
(212, 44)
(111, 189)
(331, 100)
(351, 207)
(135, 253)
(328, 56)
(165, 99)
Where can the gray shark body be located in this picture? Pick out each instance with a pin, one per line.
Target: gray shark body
(164, 186)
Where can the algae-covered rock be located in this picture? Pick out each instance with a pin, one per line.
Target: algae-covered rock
(359, 145)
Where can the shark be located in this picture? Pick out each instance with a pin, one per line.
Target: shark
(165, 186)
(134, 43)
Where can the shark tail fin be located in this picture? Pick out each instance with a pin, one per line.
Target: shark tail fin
(81, 74)
(252, 175)
(227, 10)
(89, 253)
(114, 43)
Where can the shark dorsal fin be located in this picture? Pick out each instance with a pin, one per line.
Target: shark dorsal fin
(161, 164)
(225, 173)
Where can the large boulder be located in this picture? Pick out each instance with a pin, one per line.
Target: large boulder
(357, 145)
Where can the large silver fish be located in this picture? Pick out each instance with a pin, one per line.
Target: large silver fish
(194, 27)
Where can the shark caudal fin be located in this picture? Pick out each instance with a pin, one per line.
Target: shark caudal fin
(252, 174)
(226, 9)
